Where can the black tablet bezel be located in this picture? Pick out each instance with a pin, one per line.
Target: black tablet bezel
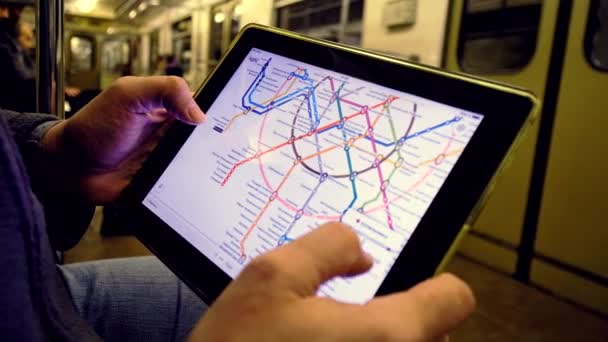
(505, 112)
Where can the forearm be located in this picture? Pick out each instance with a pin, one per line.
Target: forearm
(67, 214)
(67, 210)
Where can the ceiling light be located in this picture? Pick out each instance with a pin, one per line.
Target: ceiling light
(111, 30)
(85, 6)
(238, 10)
(132, 14)
(219, 17)
(155, 2)
(142, 7)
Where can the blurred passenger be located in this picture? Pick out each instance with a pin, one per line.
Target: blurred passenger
(18, 81)
(126, 69)
(173, 68)
(26, 38)
(159, 67)
(27, 41)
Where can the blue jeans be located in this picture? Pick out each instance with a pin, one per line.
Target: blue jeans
(133, 299)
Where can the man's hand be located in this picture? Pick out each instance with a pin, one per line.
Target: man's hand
(273, 299)
(72, 91)
(105, 143)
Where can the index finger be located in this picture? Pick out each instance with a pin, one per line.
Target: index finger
(168, 92)
(303, 265)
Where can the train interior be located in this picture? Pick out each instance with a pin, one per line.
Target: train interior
(537, 256)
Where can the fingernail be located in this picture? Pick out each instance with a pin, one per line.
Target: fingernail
(369, 257)
(195, 115)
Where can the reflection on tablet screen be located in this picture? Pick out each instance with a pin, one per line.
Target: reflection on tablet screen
(289, 146)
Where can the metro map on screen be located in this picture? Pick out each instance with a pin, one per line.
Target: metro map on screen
(289, 146)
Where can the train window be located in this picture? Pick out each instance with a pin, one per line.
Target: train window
(323, 19)
(498, 36)
(225, 26)
(235, 22)
(182, 42)
(116, 57)
(154, 52)
(81, 53)
(355, 11)
(596, 38)
(217, 27)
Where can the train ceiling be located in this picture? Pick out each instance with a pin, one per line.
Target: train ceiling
(137, 11)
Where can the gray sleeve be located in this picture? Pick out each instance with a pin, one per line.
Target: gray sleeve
(67, 215)
(28, 127)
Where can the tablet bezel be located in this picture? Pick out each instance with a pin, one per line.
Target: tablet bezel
(450, 209)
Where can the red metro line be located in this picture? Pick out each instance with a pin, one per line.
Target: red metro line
(309, 126)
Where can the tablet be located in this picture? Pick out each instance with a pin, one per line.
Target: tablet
(301, 132)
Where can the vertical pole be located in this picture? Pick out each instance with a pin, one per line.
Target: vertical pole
(57, 44)
(43, 57)
(227, 9)
(343, 21)
(527, 243)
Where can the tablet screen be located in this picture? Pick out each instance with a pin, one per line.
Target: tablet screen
(289, 146)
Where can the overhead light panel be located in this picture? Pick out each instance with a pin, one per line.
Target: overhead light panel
(142, 7)
(238, 10)
(219, 17)
(132, 14)
(85, 6)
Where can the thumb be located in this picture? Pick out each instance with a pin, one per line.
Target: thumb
(157, 92)
(303, 265)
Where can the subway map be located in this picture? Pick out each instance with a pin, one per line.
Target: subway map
(289, 146)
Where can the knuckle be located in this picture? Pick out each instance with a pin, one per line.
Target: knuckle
(264, 268)
(414, 330)
(382, 333)
(122, 83)
(345, 232)
(387, 329)
(462, 290)
(176, 83)
(378, 334)
(350, 239)
(346, 239)
(407, 326)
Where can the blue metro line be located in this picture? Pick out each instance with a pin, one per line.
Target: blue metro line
(313, 108)
(284, 99)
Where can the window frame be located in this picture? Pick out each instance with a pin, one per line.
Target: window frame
(93, 59)
(591, 28)
(460, 48)
(281, 19)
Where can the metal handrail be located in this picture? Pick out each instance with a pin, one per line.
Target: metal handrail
(59, 67)
(43, 57)
(49, 57)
